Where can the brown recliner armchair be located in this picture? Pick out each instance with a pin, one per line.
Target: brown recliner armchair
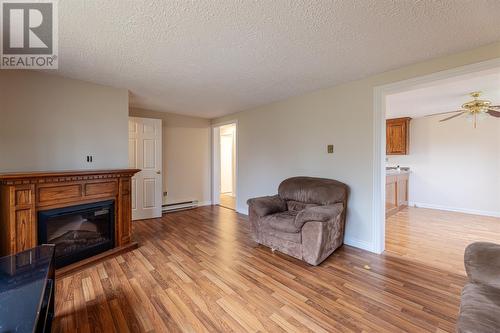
(480, 302)
(306, 220)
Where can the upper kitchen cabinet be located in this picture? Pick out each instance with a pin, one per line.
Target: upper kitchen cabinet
(397, 136)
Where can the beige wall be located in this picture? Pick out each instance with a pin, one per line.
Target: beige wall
(186, 156)
(289, 138)
(454, 166)
(53, 123)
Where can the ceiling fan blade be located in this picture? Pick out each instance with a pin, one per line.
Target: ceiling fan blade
(495, 106)
(436, 114)
(454, 116)
(493, 113)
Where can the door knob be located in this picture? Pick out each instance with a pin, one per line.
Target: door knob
(158, 172)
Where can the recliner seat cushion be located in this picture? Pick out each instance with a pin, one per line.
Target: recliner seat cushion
(294, 237)
(284, 221)
(479, 309)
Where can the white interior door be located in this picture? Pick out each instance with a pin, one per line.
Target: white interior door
(145, 154)
(216, 166)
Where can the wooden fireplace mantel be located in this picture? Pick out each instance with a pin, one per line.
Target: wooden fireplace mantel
(23, 195)
(42, 176)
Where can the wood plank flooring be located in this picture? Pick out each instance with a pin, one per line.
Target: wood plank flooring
(227, 201)
(199, 271)
(438, 238)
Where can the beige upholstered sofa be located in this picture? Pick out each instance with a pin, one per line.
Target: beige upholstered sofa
(480, 302)
(305, 220)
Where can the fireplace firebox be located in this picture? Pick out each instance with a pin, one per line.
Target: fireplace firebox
(78, 231)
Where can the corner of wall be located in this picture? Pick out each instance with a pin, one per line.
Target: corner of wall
(360, 244)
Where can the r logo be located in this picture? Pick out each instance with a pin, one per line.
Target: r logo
(27, 28)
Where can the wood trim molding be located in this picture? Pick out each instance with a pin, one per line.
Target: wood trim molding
(63, 176)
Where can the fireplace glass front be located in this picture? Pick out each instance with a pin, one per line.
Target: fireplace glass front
(77, 232)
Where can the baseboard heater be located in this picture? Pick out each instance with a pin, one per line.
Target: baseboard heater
(180, 206)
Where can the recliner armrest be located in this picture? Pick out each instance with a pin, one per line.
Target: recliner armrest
(482, 263)
(267, 205)
(319, 214)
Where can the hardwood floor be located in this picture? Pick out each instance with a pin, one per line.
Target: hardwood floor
(228, 201)
(437, 238)
(199, 271)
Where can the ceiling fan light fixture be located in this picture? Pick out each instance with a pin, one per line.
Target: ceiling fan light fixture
(475, 109)
(476, 105)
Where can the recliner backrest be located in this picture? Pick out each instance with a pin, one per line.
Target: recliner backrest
(311, 190)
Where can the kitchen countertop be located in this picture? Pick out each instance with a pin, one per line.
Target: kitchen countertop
(402, 171)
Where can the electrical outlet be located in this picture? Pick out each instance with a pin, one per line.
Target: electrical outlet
(330, 149)
(90, 158)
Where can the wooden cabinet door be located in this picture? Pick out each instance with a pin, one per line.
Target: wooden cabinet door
(391, 197)
(396, 193)
(402, 191)
(397, 136)
(17, 218)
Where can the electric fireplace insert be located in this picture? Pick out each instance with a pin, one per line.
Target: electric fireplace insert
(78, 232)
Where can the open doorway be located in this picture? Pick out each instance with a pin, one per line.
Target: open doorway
(228, 166)
(225, 165)
(441, 189)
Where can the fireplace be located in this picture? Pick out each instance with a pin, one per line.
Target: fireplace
(78, 232)
(30, 201)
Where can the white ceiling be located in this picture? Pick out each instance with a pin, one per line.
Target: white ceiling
(444, 95)
(209, 58)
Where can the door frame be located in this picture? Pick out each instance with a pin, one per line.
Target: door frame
(379, 140)
(215, 161)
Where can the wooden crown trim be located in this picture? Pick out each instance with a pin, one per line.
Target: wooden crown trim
(63, 176)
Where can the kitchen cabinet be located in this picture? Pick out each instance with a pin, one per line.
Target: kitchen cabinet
(396, 192)
(397, 136)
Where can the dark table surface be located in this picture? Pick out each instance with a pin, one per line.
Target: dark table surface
(23, 278)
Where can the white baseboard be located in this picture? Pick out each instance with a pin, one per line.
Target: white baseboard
(454, 209)
(368, 246)
(185, 205)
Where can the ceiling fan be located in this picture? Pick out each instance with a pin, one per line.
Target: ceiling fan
(474, 108)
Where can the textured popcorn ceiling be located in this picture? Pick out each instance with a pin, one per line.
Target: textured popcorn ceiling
(213, 57)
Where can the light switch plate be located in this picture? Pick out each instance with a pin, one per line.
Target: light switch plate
(330, 149)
